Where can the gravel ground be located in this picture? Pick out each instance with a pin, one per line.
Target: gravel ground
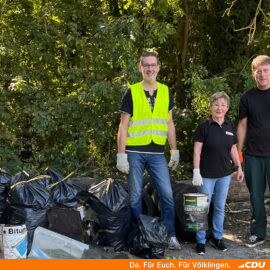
(236, 232)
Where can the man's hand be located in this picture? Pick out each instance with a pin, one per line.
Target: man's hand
(122, 163)
(174, 159)
(197, 178)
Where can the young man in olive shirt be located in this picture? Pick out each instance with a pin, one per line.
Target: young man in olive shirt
(254, 129)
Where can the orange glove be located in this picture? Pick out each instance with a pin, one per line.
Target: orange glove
(241, 159)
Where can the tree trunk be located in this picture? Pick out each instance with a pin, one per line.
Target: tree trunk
(182, 50)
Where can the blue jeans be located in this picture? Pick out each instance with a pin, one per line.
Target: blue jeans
(157, 167)
(220, 188)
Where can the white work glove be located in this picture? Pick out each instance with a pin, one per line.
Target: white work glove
(122, 163)
(174, 159)
(197, 178)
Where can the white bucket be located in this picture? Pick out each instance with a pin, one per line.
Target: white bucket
(13, 241)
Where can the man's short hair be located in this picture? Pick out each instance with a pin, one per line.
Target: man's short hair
(260, 60)
(146, 54)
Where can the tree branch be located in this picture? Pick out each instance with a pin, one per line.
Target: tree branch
(252, 27)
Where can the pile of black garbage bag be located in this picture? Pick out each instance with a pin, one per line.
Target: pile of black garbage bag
(110, 202)
(91, 212)
(52, 201)
(27, 198)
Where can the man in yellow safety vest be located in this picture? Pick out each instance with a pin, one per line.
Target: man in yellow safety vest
(146, 123)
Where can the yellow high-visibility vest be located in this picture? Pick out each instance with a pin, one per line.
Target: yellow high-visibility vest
(146, 126)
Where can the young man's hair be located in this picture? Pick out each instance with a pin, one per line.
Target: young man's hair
(260, 60)
(146, 54)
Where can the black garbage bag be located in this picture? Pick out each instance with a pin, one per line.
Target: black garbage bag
(28, 201)
(149, 239)
(64, 190)
(29, 190)
(5, 181)
(54, 175)
(110, 202)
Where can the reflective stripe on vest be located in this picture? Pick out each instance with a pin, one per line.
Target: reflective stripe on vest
(147, 121)
(147, 132)
(146, 125)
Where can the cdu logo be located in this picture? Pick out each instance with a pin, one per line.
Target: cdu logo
(252, 265)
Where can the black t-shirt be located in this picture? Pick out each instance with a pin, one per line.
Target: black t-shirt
(217, 143)
(255, 105)
(127, 107)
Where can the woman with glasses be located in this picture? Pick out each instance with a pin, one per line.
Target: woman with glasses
(214, 148)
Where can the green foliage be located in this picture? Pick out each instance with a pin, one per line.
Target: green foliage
(65, 65)
(64, 68)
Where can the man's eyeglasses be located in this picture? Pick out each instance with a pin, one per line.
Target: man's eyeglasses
(147, 66)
